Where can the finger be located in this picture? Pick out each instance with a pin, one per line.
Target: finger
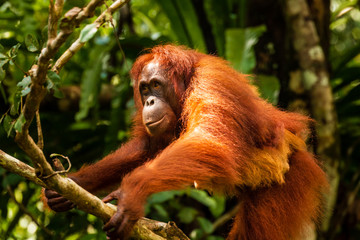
(114, 221)
(51, 194)
(112, 235)
(125, 228)
(62, 207)
(57, 200)
(123, 224)
(108, 198)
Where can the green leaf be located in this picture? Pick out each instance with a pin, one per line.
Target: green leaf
(49, 84)
(31, 43)
(25, 91)
(16, 104)
(219, 208)
(90, 84)
(348, 56)
(217, 14)
(20, 123)
(161, 211)
(351, 96)
(214, 238)
(1, 47)
(3, 94)
(187, 215)
(239, 47)
(3, 56)
(162, 196)
(2, 74)
(269, 87)
(170, 8)
(347, 112)
(3, 62)
(347, 76)
(202, 197)
(88, 32)
(205, 225)
(25, 82)
(8, 125)
(197, 234)
(54, 77)
(11, 180)
(190, 19)
(53, 82)
(1, 119)
(13, 50)
(58, 93)
(88, 237)
(340, 7)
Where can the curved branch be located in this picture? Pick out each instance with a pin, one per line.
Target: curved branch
(85, 201)
(77, 45)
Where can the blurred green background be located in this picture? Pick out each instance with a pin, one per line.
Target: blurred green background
(87, 114)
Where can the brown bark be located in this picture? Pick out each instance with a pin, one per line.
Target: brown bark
(85, 201)
(311, 79)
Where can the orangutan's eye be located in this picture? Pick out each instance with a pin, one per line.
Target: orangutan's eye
(156, 85)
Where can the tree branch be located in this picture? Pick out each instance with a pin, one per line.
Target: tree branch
(55, 11)
(313, 78)
(85, 201)
(42, 173)
(77, 45)
(16, 166)
(38, 72)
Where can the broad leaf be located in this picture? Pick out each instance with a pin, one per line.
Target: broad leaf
(8, 124)
(54, 77)
(202, 197)
(162, 196)
(31, 43)
(20, 123)
(269, 87)
(347, 76)
(88, 32)
(2, 74)
(91, 84)
(171, 10)
(217, 14)
(205, 224)
(13, 51)
(187, 214)
(53, 82)
(239, 47)
(3, 62)
(3, 56)
(25, 82)
(188, 15)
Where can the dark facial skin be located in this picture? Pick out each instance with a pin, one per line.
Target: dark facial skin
(158, 98)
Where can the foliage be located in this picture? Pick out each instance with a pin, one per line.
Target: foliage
(86, 127)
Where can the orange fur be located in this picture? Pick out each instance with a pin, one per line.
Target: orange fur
(229, 141)
(234, 140)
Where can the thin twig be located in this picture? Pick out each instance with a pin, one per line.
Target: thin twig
(38, 77)
(55, 11)
(116, 34)
(19, 67)
(60, 171)
(77, 45)
(227, 216)
(40, 142)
